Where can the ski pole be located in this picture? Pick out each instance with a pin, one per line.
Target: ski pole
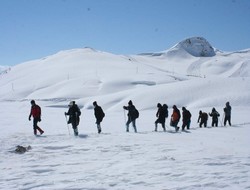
(124, 116)
(223, 118)
(220, 122)
(67, 124)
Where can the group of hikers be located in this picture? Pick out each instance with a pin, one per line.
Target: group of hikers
(74, 113)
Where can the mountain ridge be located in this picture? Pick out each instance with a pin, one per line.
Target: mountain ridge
(87, 74)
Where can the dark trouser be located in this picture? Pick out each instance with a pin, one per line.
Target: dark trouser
(174, 124)
(227, 118)
(203, 122)
(133, 123)
(74, 126)
(98, 123)
(162, 124)
(35, 126)
(215, 123)
(186, 123)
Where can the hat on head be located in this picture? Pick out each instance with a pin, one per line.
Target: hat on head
(130, 102)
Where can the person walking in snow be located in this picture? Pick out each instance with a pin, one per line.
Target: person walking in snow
(203, 117)
(161, 117)
(214, 114)
(99, 115)
(186, 118)
(35, 112)
(132, 115)
(175, 118)
(227, 112)
(74, 116)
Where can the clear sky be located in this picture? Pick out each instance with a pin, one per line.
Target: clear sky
(32, 29)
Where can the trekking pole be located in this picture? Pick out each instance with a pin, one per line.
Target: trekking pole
(124, 116)
(67, 124)
(221, 122)
(223, 119)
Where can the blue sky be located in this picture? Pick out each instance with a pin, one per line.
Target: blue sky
(32, 29)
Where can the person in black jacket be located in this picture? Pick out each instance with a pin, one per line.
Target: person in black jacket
(74, 116)
(227, 112)
(186, 118)
(131, 115)
(214, 114)
(161, 117)
(203, 117)
(99, 115)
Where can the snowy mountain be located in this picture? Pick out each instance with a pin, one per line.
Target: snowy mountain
(87, 74)
(196, 46)
(192, 74)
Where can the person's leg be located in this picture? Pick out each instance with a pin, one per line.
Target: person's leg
(205, 123)
(156, 124)
(133, 122)
(225, 120)
(216, 123)
(74, 126)
(163, 126)
(40, 130)
(99, 128)
(183, 126)
(35, 126)
(127, 125)
(98, 124)
(229, 120)
(176, 126)
(188, 125)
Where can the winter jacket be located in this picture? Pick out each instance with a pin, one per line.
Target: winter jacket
(176, 115)
(186, 116)
(131, 112)
(161, 114)
(203, 117)
(227, 110)
(35, 111)
(99, 114)
(214, 114)
(74, 113)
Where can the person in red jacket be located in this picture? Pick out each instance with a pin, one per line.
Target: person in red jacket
(35, 112)
(175, 118)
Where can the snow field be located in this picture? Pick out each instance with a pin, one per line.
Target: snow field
(201, 158)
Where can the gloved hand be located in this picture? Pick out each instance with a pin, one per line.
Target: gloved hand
(65, 113)
(39, 119)
(29, 118)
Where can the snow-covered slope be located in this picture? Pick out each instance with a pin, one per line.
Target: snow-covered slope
(87, 74)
